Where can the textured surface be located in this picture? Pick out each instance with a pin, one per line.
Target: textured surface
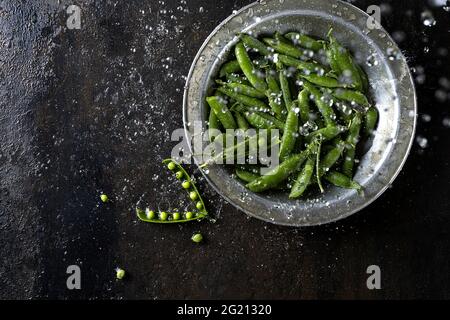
(91, 110)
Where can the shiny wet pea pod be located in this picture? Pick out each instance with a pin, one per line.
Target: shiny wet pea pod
(164, 217)
(266, 102)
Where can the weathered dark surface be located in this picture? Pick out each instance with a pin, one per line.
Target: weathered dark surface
(91, 110)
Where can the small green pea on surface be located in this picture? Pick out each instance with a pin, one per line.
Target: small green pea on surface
(120, 273)
(197, 238)
(104, 198)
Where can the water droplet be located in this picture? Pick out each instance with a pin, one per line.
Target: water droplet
(372, 61)
(426, 118)
(446, 7)
(428, 18)
(392, 54)
(440, 95)
(446, 122)
(422, 142)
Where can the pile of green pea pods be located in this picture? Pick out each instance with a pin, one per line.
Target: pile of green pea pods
(313, 92)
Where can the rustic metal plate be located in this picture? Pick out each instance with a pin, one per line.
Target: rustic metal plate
(392, 89)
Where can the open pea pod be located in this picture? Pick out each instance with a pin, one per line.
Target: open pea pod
(176, 217)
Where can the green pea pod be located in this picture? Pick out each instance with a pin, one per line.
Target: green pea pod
(304, 41)
(331, 158)
(325, 109)
(248, 68)
(306, 67)
(272, 81)
(327, 133)
(371, 121)
(351, 96)
(241, 122)
(351, 142)
(242, 89)
(274, 95)
(284, 83)
(275, 104)
(166, 218)
(263, 121)
(364, 79)
(303, 103)
(229, 67)
(284, 48)
(341, 180)
(222, 112)
(246, 176)
(237, 78)
(255, 44)
(222, 156)
(213, 123)
(245, 100)
(281, 172)
(303, 180)
(290, 133)
(323, 81)
(345, 62)
(332, 59)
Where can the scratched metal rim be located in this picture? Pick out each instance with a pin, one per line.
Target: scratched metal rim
(392, 90)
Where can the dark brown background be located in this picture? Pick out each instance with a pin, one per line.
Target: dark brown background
(91, 110)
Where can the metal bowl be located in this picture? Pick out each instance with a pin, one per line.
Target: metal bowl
(392, 89)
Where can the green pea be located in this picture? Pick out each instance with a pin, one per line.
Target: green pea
(171, 166)
(179, 175)
(193, 195)
(150, 214)
(120, 273)
(163, 216)
(186, 184)
(189, 215)
(104, 198)
(197, 238)
(176, 216)
(199, 205)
